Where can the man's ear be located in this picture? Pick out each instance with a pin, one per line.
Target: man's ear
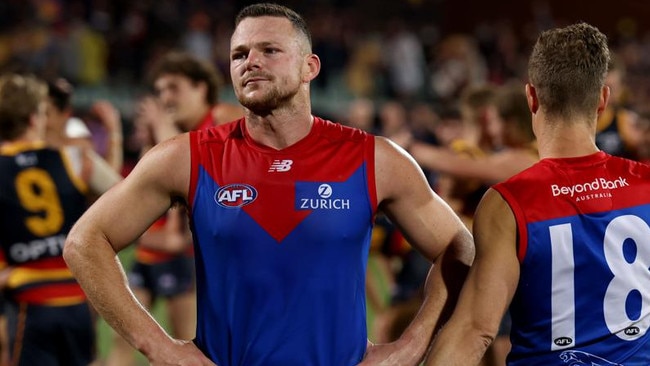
(604, 99)
(313, 68)
(531, 97)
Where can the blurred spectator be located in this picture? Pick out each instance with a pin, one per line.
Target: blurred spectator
(458, 64)
(644, 140)
(361, 114)
(502, 50)
(330, 35)
(480, 136)
(616, 131)
(361, 72)
(404, 61)
(197, 40)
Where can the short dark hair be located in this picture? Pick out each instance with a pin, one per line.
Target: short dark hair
(568, 67)
(275, 10)
(20, 96)
(475, 97)
(195, 69)
(60, 93)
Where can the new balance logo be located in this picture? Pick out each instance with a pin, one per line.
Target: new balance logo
(280, 166)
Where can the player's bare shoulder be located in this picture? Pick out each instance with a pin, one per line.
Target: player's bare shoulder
(388, 153)
(167, 164)
(395, 169)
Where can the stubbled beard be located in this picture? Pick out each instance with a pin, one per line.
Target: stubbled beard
(269, 101)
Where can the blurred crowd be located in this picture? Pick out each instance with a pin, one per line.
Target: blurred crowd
(443, 97)
(403, 55)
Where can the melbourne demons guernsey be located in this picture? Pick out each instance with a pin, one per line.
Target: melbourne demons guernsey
(281, 242)
(152, 256)
(40, 200)
(584, 248)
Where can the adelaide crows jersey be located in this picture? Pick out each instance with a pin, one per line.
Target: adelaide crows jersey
(584, 248)
(281, 242)
(40, 200)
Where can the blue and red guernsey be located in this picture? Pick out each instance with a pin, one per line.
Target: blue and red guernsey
(281, 241)
(584, 248)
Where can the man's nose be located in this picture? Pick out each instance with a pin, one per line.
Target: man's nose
(254, 59)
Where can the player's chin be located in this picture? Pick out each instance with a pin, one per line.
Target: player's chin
(257, 102)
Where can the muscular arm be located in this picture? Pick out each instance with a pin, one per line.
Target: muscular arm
(488, 291)
(114, 221)
(432, 228)
(491, 169)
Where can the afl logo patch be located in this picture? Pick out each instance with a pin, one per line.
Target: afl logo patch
(235, 195)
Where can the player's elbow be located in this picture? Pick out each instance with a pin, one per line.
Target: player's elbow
(74, 249)
(479, 337)
(484, 332)
(71, 251)
(462, 249)
(486, 339)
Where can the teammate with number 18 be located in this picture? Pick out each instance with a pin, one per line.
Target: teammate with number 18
(565, 243)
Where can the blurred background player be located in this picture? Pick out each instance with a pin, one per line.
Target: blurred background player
(516, 152)
(43, 191)
(63, 128)
(186, 97)
(616, 131)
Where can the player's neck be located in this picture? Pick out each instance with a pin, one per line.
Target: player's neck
(30, 136)
(567, 142)
(279, 129)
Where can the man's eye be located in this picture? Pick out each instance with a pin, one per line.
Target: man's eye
(238, 56)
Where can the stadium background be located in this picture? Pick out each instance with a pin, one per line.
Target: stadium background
(104, 47)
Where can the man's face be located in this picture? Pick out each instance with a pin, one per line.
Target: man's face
(56, 119)
(180, 96)
(267, 62)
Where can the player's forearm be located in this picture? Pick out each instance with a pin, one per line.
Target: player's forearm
(458, 346)
(448, 162)
(441, 293)
(439, 159)
(115, 152)
(100, 274)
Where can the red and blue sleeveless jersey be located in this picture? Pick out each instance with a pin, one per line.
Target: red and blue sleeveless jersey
(281, 242)
(584, 250)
